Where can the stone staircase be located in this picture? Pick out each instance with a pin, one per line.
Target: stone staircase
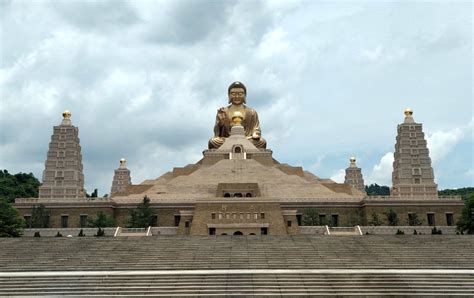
(132, 232)
(343, 231)
(238, 265)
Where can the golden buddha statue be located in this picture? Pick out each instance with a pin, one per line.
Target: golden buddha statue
(237, 109)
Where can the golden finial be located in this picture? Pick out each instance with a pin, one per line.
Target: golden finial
(408, 112)
(237, 118)
(66, 114)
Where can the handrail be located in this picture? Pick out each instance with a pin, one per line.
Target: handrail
(358, 228)
(117, 231)
(148, 232)
(327, 230)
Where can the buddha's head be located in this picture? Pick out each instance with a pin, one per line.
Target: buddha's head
(237, 93)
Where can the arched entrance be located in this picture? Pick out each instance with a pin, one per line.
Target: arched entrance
(238, 233)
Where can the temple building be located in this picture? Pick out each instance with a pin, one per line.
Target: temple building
(354, 176)
(63, 176)
(122, 178)
(238, 187)
(412, 172)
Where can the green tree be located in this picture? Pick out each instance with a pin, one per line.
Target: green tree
(392, 217)
(20, 185)
(414, 219)
(310, 217)
(464, 192)
(356, 218)
(142, 217)
(377, 190)
(466, 220)
(94, 194)
(11, 222)
(375, 220)
(39, 217)
(102, 220)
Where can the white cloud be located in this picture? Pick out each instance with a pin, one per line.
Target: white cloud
(382, 172)
(273, 43)
(441, 143)
(339, 176)
(153, 74)
(317, 164)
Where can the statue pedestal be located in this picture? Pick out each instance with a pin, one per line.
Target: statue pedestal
(237, 130)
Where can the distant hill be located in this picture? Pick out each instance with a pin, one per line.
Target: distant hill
(20, 185)
(377, 190)
(383, 190)
(463, 192)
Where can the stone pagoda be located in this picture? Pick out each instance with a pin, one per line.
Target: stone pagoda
(354, 176)
(121, 179)
(412, 171)
(63, 175)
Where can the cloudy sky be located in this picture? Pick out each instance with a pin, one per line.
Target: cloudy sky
(329, 79)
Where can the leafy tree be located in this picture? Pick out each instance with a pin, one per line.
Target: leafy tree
(102, 220)
(142, 217)
(93, 194)
(39, 217)
(414, 219)
(310, 217)
(375, 221)
(392, 217)
(20, 185)
(377, 190)
(466, 220)
(464, 192)
(11, 222)
(356, 218)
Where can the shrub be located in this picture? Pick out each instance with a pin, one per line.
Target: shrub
(466, 220)
(414, 219)
(100, 233)
(392, 217)
(310, 217)
(375, 221)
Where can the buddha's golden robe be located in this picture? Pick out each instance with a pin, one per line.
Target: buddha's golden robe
(250, 123)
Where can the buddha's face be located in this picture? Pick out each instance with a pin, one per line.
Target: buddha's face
(237, 96)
